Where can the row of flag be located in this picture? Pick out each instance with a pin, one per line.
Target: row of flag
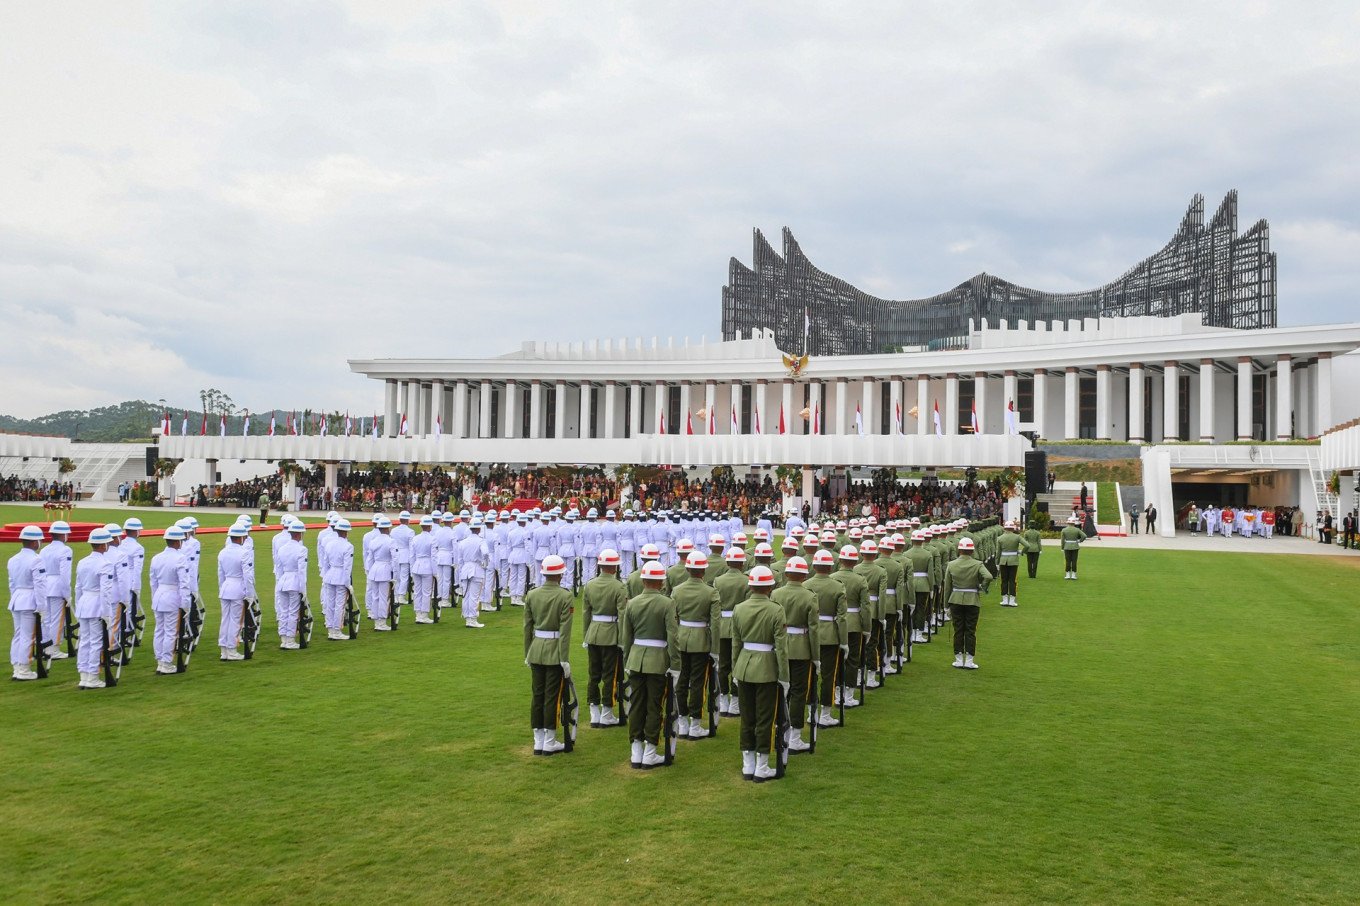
(1012, 420)
(294, 425)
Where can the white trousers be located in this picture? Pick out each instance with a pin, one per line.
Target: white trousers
(333, 605)
(1269, 530)
(289, 605)
(403, 571)
(423, 590)
(166, 634)
(472, 596)
(54, 627)
(627, 563)
(370, 592)
(21, 646)
(378, 610)
(230, 632)
(519, 579)
(91, 640)
(443, 576)
(503, 571)
(589, 567)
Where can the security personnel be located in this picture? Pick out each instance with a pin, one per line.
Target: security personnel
(1071, 538)
(965, 581)
(763, 554)
(337, 574)
(443, 561)
(1009, 546)
(281, 537)
(760, 644)
(379, 570)
(651, 651)
(235, 584)
(402, 536)
(96, 604)
(290, 571)
(787, 548)
(547, 646)
(422, 569)
(857, 618)
(698, 610)
(801, 614)
(57, 561)
(518, 556)
(732, 589)
(592, 542)
(136, 559)
(717, 565)
(27, 581)
(890, 604)
(874, 578)
(676, 575)
(646, 554)
(366, 555)
(919, 572)
(603, 602)
(170, 588)
(832, 635)
(1034, 546)
(473, 563)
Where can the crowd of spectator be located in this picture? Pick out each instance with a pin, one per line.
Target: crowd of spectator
(14, 488)
(241, 494)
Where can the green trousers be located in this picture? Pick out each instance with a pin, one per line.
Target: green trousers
(832, 668)
(725, 667)
(694, 667)
(800, 675)
(965, 617)
(1032, 561)
(918, 616)
(757, 716)
(546, 689)
(644, 715)
(603, 666)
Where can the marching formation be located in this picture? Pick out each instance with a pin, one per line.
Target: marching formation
(681, 625)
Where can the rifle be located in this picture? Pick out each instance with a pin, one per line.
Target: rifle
(435, 607)
(184, 643)
(711, 691)
(40, 659)
(670, 720)
(884, 647)
(569, 713)
(393, 607)
(814, 706)
(250, 628)
(838, 680)
(623, 694)
(138, 619)
(305, 622)
(863, 667)
(496, 592)
(196, 615)
(780, 729)
(72, 628)
(351, 613)
(902, 643)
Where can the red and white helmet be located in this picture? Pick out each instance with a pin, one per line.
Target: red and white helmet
(717, 541)
(810, 542)
(828, 537)
(649, 552)
(609, 557)
(965, 544)
(696, 560)
(684, 546)
(762, 534)
(869, 546)
(796, 565)
(735, 555)
(760, 577)
(554, 565)
(849, 553)
(739, 539)
(887, 543)
(653, 569)
(763, 550)
(790, 543)
(918, 535)
(854, 534)
(823, 558)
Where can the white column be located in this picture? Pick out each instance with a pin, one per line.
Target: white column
(659, 400)
(512, 404)
(1284, 399)
(686, 417)
(951, 404)
(842, 391)
(816, 406)
(1206, 400)
(403, 404)
(1171, 397)
(459, 426)
(1136, 407)
(611, 409)
(560, 409)
(923, 417)
(437, 405)
(758, 408)
(1071, 403)
(1103, 414)
(786, 402)
(635, 426)
(423, 392)
(1322, 397)
(1244, 398)
(1040, 401)
(536, 409)
(583, 414)
(896, 411)
(1302, 379)
(980, 399)
(391, 419)
(484, 409)
(710, 417)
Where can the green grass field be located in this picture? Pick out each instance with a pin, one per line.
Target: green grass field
(1174, 727)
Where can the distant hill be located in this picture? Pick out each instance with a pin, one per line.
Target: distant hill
(134, 420)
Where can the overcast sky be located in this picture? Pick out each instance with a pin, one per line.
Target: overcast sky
(243, 195)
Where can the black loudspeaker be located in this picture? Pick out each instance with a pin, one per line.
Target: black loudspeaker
(1036, 472)
(1043, 506)
(152, 456)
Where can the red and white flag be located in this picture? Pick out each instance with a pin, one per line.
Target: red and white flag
(438, 427)
(403, 432)
(817, 418)
(165, 424)
(325, 424)
(977, 427)
(245, 424)
(273, 424)
(184, 425)
(375, 426)
(662, 427)
(939, 430)
(783, 428)
(712, 420)
(897, 420)
(736, 425)
(203, 428)
(1012, 422)
(757, 409)
(859, 421)
(222, 426)
(349, 424)
(689, 423)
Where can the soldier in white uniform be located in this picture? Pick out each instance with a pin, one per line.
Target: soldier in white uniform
(281, 537)
(235, 583)
(627, 545)
(170, 587)
(322, 538)
(543, 547)
(591, 543)
(520, 539)
(402, 536)
(337, 576)
(193, 552)
(569, 549)
(27, 581)
(366, 556)
(472, 563)
(422, 569)
(443, 558)
(136, 558)
(96, 600)
(56, 596)
(290, 583)
(503, 539)
(378, 565)
(122, 572)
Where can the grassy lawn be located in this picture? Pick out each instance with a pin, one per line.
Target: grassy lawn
(1107, 503)
(1173, 727)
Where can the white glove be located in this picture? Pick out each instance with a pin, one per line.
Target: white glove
(526, 662)
(674, 675)
(715, 660)
(783, 684)
(585, 644)
(845, 650)
(566, 669)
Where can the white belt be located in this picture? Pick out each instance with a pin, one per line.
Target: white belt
(892, 591)
(757, 646)
(693, 624)
(546, 634)
(727, 614)
(852, 610)
(602, 618)
(973, 590)
(650, 643)
(825, 618)
(873, 599)
(920, 575)
(798, 630)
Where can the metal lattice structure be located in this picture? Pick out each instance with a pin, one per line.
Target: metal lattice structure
(1230, 278)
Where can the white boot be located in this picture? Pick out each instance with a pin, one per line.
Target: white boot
(637, 754)
(58, 655)
(381, 626)
(335, 635)
(231, 654)
(682, 728)
(608, 718)
(871, 681)
(763, 770)
(969, 663)
(697, 730)
(551, 745)
(722, 704)
(826, 719)
(651, 757)
(538, 741)
(958, 659)
(734, 705)
(594, 715)
(92, 681)
(748, 765)
(488, 608)
(795, 740)
(24, 673)
(288, 643)
(471, 623)
(165, 667)
(424, 618)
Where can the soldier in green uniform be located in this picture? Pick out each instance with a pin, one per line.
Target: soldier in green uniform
(801, 615)
(762, 660)
(873, 619)
(920, 572)
(603, 602)
(696, 608)
(732, 590)
(1034, 545)
(1008, 548)
(650, 637)
(647, 554)
(547, 641)
(716, 564)
(788, 548)
(832, 635)
(763, 555)
(892, 601)
(677, 575)
(1071, 538)
(965, 581)
(857, 619)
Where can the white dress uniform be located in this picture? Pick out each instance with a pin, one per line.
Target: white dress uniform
(136, 570)
(27, 580)
(543, 546)
(591, 544)
(472, 563)
(96, 601)
(627, 546)
(366, 552)
(520, 538)
(337, 571)
(57, 561)
(235, 583)
(290, 572)
(402, 537)
(281, 537)
(422, 571)
(170, 588)
(378, 574)
(500, 552)
(193, 553)
(443, 562)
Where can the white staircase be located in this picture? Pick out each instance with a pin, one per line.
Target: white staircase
(1325, 499)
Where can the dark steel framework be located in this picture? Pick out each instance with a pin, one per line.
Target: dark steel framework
(1209, 269)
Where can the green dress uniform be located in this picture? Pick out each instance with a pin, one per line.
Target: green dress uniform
(732, 590)
(832, 634)
(965, 581)
(918, 575)
(636, 588)
(778, 567)
(892, 606)
(762, 660)
(697, 608)
(874, 577)
(1008, 548)
(547, 643)
(716, 567)
(603, 603)
(1034, 545)
(651, 648)
(676, 576)
(1071, 539)
(801, 613)
(858, 617)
